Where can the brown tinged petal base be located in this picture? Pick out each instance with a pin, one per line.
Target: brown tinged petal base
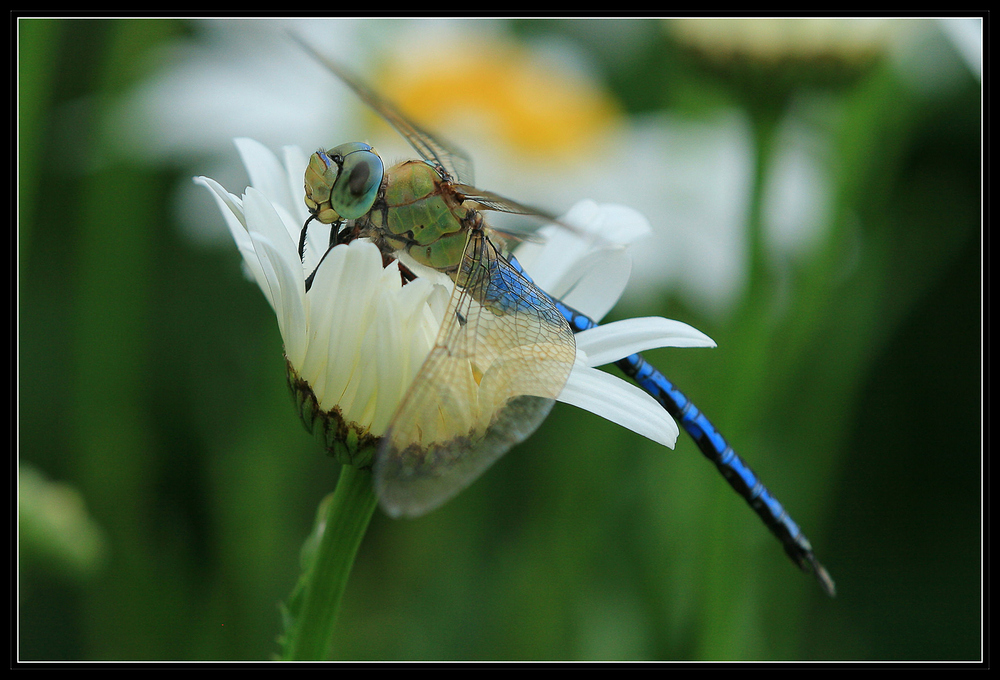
(348, 443)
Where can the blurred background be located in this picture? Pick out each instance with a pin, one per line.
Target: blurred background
(814, 188)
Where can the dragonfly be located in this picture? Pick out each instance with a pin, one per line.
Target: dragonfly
(505, 348)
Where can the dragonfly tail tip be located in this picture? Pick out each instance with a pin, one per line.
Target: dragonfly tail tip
(823, 576)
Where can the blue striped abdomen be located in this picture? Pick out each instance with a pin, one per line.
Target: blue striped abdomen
(714, 447)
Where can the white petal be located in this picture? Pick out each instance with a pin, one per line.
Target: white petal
(232, 210)
(385, 355)
(268, 279)
(595, 284)
(343, 306)
(295, 164)
(288, 293)
(613, 223)
(613, 341)
(548, 261)
(587, 274)
(610, 225)
(266, 173)
(283, 283)
(262, 217)
(230, 205)
(620, 402)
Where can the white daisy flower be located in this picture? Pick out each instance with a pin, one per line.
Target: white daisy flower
(355, 340)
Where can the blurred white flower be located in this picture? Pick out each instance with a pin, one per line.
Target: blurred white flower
(934, 56)
(797, 197)
(966, 34)
(236, 78)
(776, 40)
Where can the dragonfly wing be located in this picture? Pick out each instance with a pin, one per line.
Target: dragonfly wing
(488, 200)
(493, 201)
(446, 157)
(502, 356)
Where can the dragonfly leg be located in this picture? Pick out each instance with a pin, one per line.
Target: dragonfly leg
(302, 238)
(334, 236)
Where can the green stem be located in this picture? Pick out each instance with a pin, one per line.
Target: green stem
(344, 524)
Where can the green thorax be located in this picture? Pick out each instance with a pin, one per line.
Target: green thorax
(422, 215)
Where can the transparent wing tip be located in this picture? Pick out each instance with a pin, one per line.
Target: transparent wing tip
(392, 509)
(411, 499)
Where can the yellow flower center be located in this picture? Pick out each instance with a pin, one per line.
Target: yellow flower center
(531, 105)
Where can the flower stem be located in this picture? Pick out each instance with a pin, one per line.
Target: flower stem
(343, 525)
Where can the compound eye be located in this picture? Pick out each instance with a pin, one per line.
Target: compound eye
(356, 188)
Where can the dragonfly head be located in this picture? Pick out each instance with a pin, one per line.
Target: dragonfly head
(342, 183)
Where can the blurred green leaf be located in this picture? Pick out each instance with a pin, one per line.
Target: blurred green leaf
(55, 532)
